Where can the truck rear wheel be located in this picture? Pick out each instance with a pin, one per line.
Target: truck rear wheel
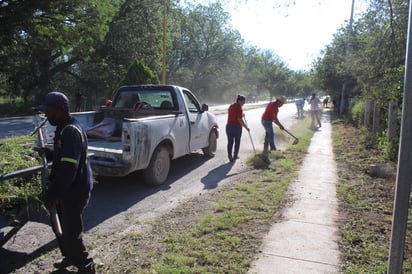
(158, 170)
(210, 150)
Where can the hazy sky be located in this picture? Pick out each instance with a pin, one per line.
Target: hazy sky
(296, 32)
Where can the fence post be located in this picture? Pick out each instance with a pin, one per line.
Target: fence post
(367, 115)
(392, 120)
(404, 175)
(376, 118)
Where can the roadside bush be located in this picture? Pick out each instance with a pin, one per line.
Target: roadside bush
(390, 148)
(18, 194)
(13, 107)
(368, 138)
(357, 113)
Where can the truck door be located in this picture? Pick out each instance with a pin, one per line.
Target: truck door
(198, 130)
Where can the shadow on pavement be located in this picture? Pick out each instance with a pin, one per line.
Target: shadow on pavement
(110, 196)
(215, 176)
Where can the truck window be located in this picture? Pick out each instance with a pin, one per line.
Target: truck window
(191, 102)
(161, 99)
(126, 100)
(155, 98)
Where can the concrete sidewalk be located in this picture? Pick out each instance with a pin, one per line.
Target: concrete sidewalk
(306, 239)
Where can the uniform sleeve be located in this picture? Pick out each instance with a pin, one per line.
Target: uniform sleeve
(66, 170)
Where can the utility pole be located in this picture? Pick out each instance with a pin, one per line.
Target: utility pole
(404, 174)
(164, 43)
(342, 105)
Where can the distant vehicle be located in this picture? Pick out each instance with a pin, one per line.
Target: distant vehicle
(252, 98)
(144, 128)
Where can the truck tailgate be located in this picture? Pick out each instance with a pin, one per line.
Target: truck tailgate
(105, 146)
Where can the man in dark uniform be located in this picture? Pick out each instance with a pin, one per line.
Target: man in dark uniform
(70, 181)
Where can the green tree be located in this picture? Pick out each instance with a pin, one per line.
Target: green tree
(274, 74)
(374, 65)
(333, 70)
(41, 39)
(380, 72)
(205, 52)
(139, 74)
(135, 33)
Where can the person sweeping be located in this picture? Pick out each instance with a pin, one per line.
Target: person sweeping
(234, 127)
(270, 115)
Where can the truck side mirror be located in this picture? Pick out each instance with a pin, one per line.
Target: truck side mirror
(205, 107)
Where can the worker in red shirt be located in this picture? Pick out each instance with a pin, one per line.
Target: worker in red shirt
(271, 115)
(234, 127)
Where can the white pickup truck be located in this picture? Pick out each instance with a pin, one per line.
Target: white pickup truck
(144, 128)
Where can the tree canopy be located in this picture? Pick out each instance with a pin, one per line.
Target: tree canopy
(89, 46)
(370, 57)
(41, 39)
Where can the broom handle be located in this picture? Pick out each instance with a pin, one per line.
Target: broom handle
(250, 136)
(45, 175)
(290, 133)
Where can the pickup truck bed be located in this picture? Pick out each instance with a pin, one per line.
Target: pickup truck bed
(144, 129)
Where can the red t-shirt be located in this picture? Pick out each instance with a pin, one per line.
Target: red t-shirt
(234, 113)
(270, 111)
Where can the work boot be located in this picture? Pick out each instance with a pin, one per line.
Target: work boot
(63, 263)
(87, 269)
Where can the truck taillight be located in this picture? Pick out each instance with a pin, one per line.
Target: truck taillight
(126, 140)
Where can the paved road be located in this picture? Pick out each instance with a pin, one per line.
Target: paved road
(15, 126)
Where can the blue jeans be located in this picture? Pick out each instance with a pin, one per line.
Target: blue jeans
(269, 135)
(300, 111)
(234, 133)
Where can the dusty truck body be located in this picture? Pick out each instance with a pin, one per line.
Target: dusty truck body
(146, 127)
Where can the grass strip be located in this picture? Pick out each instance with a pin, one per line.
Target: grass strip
(366, 203)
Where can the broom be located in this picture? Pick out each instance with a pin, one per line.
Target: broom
(262, 157)
(296, 141)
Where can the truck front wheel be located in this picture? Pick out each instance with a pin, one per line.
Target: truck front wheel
(210, 150)
(158, 170)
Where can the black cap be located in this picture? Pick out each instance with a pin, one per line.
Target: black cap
(53, 99)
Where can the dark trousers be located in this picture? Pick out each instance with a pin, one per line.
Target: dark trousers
(71, 242)
(300, 111)
(234, 133)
